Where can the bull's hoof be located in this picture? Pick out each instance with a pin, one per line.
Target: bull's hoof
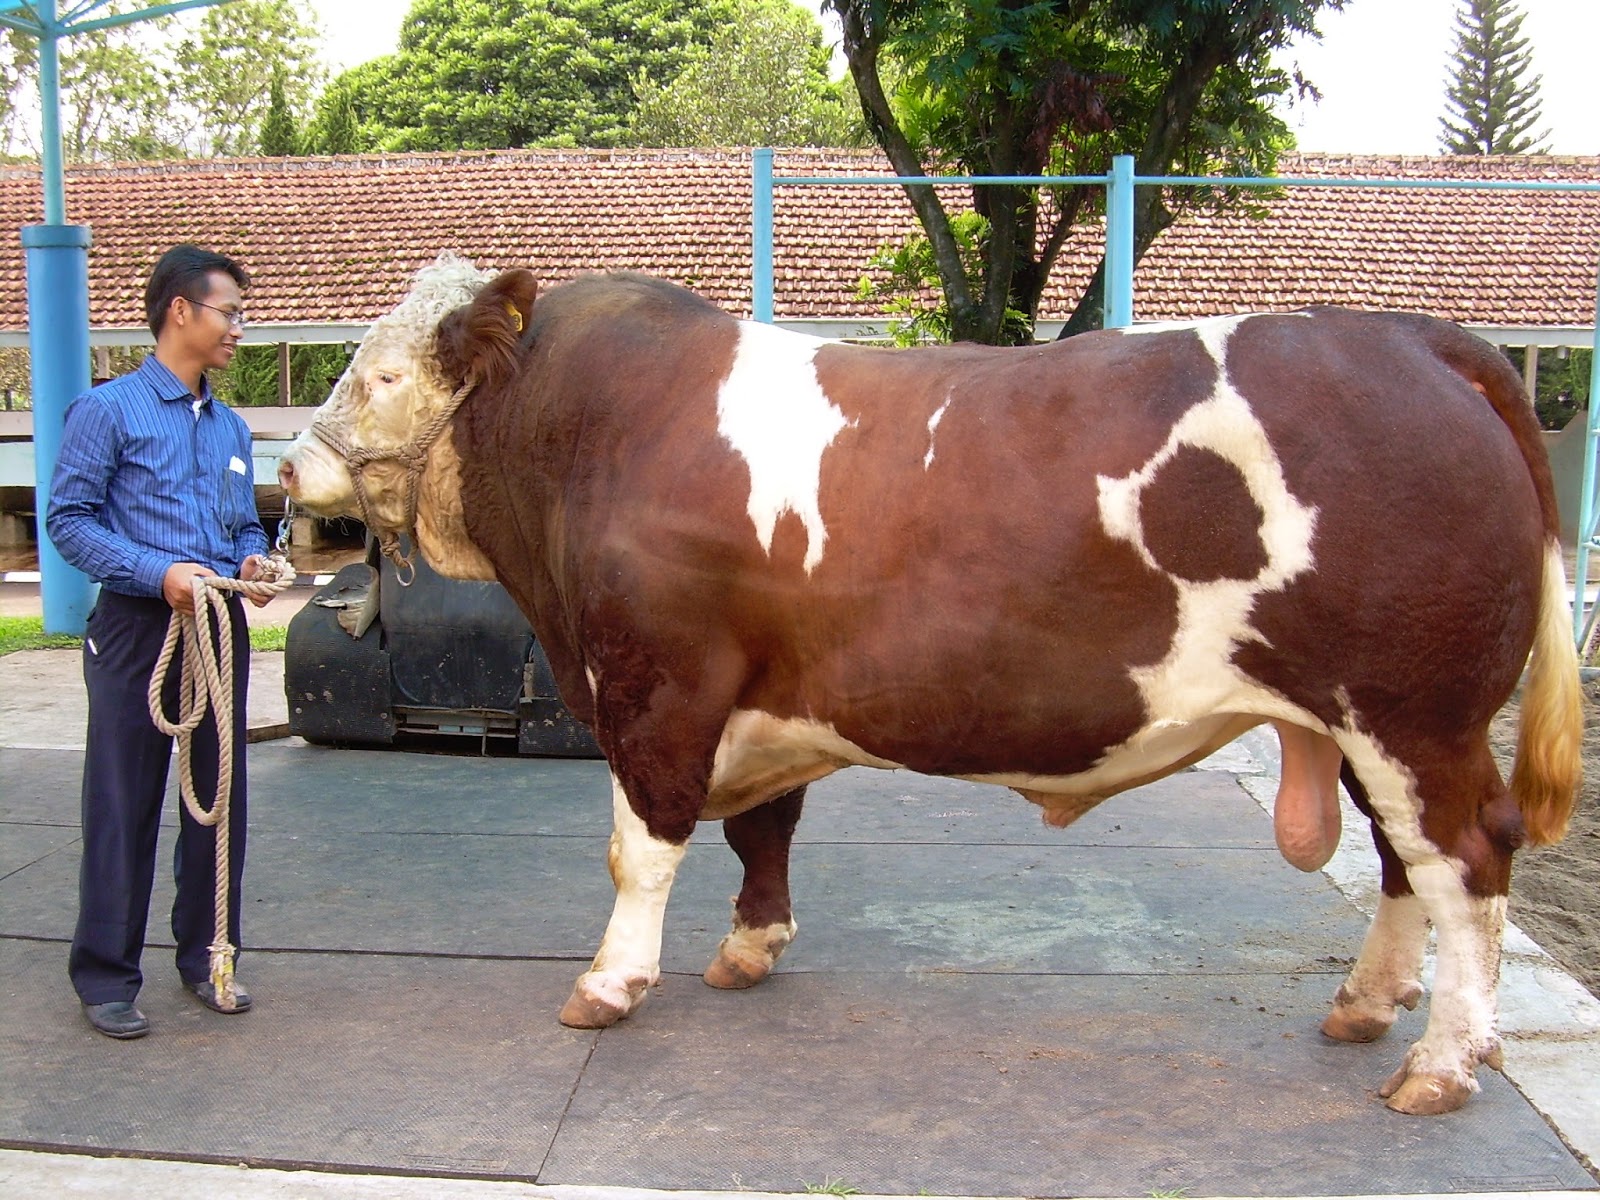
(601, 999)
(747, 956)
(1427, 1094)
(1357, 1019)
(735, 970)
(1352, 1025)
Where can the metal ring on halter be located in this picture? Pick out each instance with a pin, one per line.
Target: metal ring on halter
(285, 527)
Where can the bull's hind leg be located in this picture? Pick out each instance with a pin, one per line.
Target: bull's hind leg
(629, 962)
(763, 919)
(1388, 974)
(1452, 824)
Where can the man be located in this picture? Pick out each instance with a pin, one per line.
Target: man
(152, 487)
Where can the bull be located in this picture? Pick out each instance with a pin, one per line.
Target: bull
(754, 558)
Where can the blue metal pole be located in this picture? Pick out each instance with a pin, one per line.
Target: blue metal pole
(58, 344)
(1119, 244)
(761, 238)
(1586, 515)
(55, 191)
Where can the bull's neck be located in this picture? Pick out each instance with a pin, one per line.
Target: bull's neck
(441, 522)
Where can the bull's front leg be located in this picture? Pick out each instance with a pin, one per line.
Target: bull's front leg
(763, 918)
(629, 962)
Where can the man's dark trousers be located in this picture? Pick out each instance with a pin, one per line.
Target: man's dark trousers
(124, 784)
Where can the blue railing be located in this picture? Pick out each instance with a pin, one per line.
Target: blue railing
(1119, 183)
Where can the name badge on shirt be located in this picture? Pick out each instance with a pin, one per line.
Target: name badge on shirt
(236, 464)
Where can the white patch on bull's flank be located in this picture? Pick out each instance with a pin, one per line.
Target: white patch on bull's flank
(933, 427)
(1197, 677)
(643, 868)
(773, 412)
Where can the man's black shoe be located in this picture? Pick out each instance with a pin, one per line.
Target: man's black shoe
(117, 1019)
(206, 994)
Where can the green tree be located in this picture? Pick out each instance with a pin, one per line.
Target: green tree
(196, 83)
(488, 74)
(1563, 382)
(1026, 87)
(280, 132)
(17, 64)
(763, 81)
(335, 129)
(223, 72)
(1491, 105)
(251, 379)
(113, 104)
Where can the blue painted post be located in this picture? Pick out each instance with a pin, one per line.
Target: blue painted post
(50, 169)
(58, 344)
(1586, 516)
(761, 236)
(1119, 244)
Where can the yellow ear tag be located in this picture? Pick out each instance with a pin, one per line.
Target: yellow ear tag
(516, 315)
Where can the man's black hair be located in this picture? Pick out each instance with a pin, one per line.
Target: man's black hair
(182, 271)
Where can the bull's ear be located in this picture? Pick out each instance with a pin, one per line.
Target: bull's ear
(481, 339)
(514, 291)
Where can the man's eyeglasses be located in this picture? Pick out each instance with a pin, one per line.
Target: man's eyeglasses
(236, 320)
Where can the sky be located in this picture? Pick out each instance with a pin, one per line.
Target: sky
(1381, 66)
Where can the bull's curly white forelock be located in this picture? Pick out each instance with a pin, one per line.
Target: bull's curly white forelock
(439, 288)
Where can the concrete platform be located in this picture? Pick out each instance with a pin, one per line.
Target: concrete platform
(976, 1005)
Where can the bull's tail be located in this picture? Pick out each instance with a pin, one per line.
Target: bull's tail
(1544, 781)
(1549, 765)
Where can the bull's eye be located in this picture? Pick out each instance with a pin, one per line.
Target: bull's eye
(387, 377)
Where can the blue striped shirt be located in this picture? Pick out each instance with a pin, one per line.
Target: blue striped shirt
(148, 476)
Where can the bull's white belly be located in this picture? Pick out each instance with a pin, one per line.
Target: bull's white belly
(761, 756)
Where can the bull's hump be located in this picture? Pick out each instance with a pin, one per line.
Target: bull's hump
(773, 412)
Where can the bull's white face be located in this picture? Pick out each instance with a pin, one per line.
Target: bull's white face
(380, 403)
(389, 393)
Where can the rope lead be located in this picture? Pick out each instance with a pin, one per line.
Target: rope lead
(207, 682)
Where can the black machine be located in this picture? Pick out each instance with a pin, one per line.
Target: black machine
(369, 662)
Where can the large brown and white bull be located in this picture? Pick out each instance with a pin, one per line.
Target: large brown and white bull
(754, 558)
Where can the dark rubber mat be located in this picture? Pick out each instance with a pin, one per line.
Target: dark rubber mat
(976, 1003)
(441, 1065)
(899, 1082)
(940, 1084)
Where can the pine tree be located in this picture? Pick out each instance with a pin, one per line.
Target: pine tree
(1491, 108)
(280, 135)
(337, 129)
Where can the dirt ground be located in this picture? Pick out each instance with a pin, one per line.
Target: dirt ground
(1555, 890)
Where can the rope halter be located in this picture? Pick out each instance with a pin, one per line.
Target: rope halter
(412, 456)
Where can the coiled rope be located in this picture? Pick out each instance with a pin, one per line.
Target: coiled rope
(207, 683)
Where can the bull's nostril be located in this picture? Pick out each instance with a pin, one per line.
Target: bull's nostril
(286, 474)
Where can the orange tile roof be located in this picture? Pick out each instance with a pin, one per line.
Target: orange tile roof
(335, 240)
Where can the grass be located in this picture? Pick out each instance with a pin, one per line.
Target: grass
(27, 633)
(833, 1187)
